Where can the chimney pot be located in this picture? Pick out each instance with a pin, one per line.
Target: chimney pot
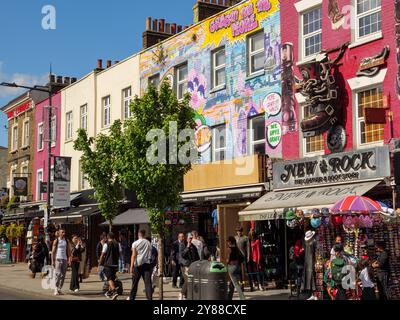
(148, 24)
(161, 25)
(108, 63)
(73, 80)
(173, 28)
(67, 80)
(168, 28)
(59, 79)
(179, 29)
(155, 22)
(52, 78)
(99, 64)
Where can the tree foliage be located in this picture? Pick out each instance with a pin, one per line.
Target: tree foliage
(99, 162)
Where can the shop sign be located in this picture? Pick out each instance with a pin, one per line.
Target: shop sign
(5, 249)
(223, 197)
(62, 180)
(334, 168)
(20, 186)
(18, 110)
(274, 134)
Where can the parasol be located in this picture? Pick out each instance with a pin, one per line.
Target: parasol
(356, 204)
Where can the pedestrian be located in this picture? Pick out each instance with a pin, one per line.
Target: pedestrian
(75, 260)
(176, 271)
(382, 270)
(338, 263)
(60, 256)
(140, 265)
(338, 240)
(188, 254)
(243, 244)
(366, 276)
(198, 244)
(235, 259)
(153, 263)
(109, 258)
(206, 252)
(83, 267)
(99, 249)
(40, 254)
(124, 246)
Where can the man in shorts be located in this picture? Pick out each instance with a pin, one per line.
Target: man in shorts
(109, 258)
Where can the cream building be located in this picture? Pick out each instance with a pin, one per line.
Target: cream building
(94, 102)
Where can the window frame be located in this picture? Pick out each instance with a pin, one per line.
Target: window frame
(126, 111)
(40, 137)
(151, 78)
(358, 120)
(303, 37)
(215, 68)
(359, 16)
(214, 148)
(305, 153)
(69, 125)
(25, 134)
(39, 196)
(14, 138)
(252, 142)
(179, 81)
(83, 115)
(82, 180)
(251, 54)
(106, 108)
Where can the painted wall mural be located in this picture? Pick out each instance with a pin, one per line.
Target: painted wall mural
(243, 96)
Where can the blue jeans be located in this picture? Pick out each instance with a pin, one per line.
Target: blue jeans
(121, 264)
(101, 273)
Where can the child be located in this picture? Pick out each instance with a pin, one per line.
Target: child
(366, 276)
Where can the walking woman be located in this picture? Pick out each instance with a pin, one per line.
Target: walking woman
(76, 258)
(235, 258)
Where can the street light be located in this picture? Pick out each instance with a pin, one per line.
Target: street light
(48, 89)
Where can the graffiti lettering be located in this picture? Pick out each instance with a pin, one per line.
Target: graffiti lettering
(263, 6)
(224, 21)
(244, 26)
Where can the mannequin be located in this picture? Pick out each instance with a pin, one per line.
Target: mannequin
(254, 263)
(309, 283)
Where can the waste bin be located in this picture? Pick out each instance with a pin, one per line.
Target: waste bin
(207, 280)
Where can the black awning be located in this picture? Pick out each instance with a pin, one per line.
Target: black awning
(77, 212)
(130, 217)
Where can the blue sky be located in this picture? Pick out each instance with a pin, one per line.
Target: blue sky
(85, 31)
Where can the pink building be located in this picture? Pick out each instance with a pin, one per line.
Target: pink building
(41, 145)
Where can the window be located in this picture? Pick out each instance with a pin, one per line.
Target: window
(40, 137)
(369, 17)
(24, 173)
(257, 135)
(106, 111)
(311, 26)
(155, 80)
(182, 80)
(219, 143)
(83, 182)
(256, 52)
(69, 125)
(315, 144)
(369, 133)
(39, 179)
(25, 142)
(126, 102)
(14, 138)
(84, 117)
(53, 131)
(218, 68)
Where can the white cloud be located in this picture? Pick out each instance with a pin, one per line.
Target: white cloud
(19, 78)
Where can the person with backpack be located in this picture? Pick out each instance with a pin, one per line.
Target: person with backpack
(337, 265)
(60, 256)
(109, 258)
(140, 265)
(235, 259)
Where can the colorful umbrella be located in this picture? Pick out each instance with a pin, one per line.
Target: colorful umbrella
(356, 204)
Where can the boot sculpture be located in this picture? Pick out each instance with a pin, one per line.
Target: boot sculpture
(320, 89)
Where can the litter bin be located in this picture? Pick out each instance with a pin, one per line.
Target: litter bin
(207, 280)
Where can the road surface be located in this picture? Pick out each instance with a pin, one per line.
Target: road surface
(11, 294)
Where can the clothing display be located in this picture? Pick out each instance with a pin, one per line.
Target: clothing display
(309, 265)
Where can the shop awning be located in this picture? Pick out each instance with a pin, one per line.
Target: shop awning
(130, 217)
(73, 213)
(272, 205)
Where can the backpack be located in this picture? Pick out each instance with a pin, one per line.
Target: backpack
(154, 256)
(336, 269)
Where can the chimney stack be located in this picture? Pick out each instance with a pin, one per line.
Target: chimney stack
(108, 64)
(158, 30)
(52, 78)
(161, 26)
(180, 29)
(73, 80)
(99, 64)
(67, 80)
(207, 8)
(148, 24)
(59, 79)
(168, 28)
(173, 28)
(155, 22)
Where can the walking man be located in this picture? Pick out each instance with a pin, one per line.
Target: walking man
(99, 250)
(60, 256)
(198, 244)
(382, 266)
(188, 254)
(176, 272)
(243, 245)
(140, 265)
(109, 257)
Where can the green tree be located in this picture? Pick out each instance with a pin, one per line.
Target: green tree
(158, 184)
(99, 164)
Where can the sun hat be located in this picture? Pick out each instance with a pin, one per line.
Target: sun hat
(316, 213)
(337, 220)
(325, 212)
(309, 235)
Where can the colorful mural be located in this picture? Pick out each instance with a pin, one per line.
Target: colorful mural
(242, 96)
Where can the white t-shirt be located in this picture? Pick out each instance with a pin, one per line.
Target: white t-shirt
(105, 247)
(61, 249)
(365, 279)
(143, 250)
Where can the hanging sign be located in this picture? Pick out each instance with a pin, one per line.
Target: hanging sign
(62, 180)
(21, 186)
(274, 134)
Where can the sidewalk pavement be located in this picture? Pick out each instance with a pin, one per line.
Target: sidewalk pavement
(16, 277)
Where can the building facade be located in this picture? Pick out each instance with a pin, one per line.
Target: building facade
(3, 167)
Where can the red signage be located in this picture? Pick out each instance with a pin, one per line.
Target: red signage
(18, 110)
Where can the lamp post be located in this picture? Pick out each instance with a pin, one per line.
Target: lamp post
(48, 89)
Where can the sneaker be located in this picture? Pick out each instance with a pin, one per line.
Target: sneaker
(114, 295)
(60, 293)
(107, 294)
(261, 287)
(312, 298)
(180, 297)
(129, 298)
(56, 292)
(76, 290)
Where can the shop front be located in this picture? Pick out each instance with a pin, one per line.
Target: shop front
(305, 192)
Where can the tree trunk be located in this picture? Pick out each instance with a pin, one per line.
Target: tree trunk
(161, 267)
(110, 225)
